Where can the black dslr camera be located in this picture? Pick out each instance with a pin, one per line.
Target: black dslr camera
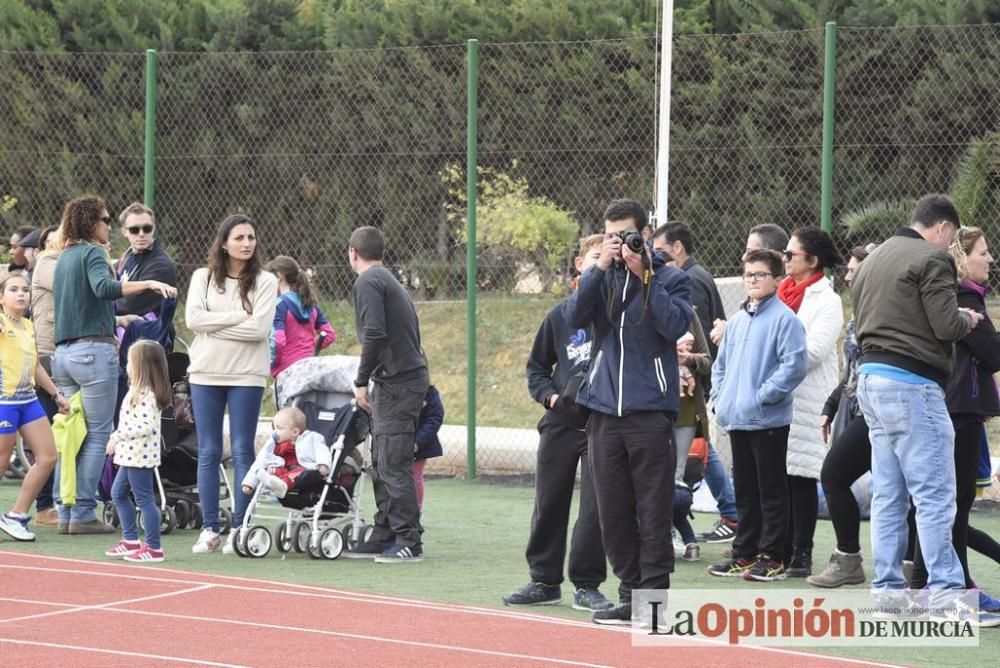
(631, 240)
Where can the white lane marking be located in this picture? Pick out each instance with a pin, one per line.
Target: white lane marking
(142, 655)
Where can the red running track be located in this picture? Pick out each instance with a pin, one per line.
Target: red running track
(74, 613)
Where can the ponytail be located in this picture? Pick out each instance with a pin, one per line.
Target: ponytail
(297, 279)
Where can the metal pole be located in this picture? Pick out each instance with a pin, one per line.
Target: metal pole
(663, 143)
(829, 80)
(471, 194)
(150, 142)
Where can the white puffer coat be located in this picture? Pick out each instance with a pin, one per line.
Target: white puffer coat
(822, 315)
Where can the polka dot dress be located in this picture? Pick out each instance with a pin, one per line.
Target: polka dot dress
(137, 439)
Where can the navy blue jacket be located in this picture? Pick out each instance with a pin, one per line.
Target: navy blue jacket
(634, 367)
(431, 418)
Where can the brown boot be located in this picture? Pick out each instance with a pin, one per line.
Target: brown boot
(843, 569)
(47, 518)
(79, 528)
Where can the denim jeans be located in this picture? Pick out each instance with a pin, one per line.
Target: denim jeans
(209, 405)
(720, 485)
(140, 483)
(91, 368)
(913, 445)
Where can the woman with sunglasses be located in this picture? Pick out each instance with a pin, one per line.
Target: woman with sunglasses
(809, 293)
(145, 260)
(86, 353)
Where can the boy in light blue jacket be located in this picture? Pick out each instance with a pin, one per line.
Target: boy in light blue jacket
(762, 359)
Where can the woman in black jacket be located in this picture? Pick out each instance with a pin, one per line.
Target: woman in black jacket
(971, 393)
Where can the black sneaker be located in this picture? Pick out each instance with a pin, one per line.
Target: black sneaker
(535, 593)
(724, 531)
(765, 569)
(618, 615)
(367, 550)
(734, 568)
(800, 565)
(589, 598)
(398, 554)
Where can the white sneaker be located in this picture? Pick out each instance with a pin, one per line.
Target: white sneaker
(278, 486)
(208, 541)
(16, 527)
(227, 543)
(679, 546)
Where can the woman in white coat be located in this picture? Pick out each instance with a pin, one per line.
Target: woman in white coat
(808, 292)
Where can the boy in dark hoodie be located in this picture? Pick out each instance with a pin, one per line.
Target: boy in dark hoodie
(560, 354)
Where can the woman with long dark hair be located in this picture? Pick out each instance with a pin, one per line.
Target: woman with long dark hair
(230, 307)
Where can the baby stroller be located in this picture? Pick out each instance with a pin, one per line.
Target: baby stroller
(320, 520)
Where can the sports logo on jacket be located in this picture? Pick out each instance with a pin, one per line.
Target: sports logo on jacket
(578, 347)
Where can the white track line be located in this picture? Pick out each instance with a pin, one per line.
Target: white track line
(110, 604)
(141, 655)
(298, 629)
(360, 597)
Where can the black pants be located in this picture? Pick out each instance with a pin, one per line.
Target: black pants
(803, 507)
(560, 449)
(849, 458)
(632, 459)
(966, 466)
(395, 411)
(44, 501)
(984, 544)
(761, 485)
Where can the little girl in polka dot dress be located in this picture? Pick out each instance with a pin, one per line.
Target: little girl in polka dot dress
(136, 447)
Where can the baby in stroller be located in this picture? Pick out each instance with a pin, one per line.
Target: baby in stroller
(294, 457)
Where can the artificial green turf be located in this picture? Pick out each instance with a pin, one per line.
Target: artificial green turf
(475, 537)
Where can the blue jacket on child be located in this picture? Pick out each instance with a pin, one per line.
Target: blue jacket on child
(428, 425)
(762, 359)
(633, 365)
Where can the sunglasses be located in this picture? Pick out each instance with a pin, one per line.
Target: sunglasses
(145, 229)
(789, 254)
(105, 219)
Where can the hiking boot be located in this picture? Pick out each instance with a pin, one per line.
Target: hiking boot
(535, 593)
(733, 568)
(843, 569)
(398, 554)
(92, 527)
(367, 550)
(800, 565)
(16, 527)
(724, 531)
(692, 552)
(765, 569)
(589, 598)
(47, 518)
(618, 615)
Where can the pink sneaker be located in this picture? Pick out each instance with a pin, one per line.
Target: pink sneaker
(122, 548)
(145, 554)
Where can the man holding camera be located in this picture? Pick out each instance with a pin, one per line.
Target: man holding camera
(638, 308)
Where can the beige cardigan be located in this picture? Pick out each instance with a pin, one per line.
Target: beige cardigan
(231, 347)
(43, 310)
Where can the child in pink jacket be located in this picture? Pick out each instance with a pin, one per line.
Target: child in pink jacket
(298, 320)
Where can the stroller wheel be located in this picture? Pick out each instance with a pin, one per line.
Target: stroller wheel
(182, 512)
(195, 521)
(285, 540)
(225, 520)
(331, 543)
(315, 548)
(168, 520)
(301, 533)
(256, 542)
(239, 542)
(111, 515)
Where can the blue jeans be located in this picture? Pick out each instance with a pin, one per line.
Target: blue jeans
(720, 485)
(140, 483)
(91, 368)
(913, 455)
(209, 404)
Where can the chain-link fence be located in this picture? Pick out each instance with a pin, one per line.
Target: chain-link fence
(314, 144)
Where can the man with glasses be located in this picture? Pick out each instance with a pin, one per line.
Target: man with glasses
(145, 260)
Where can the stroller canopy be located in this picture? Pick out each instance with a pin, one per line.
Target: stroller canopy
(329, 374)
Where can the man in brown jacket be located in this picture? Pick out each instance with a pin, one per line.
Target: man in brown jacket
(908, 318)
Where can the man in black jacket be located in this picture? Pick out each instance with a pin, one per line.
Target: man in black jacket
(393, 362)
(145, 260)
(560, 354)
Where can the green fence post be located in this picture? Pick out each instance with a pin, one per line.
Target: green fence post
(472, 50)
(829, 80)
(150, 142)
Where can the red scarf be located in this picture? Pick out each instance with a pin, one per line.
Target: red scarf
(791, 293)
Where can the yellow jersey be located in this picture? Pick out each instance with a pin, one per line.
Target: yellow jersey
(18, 360)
